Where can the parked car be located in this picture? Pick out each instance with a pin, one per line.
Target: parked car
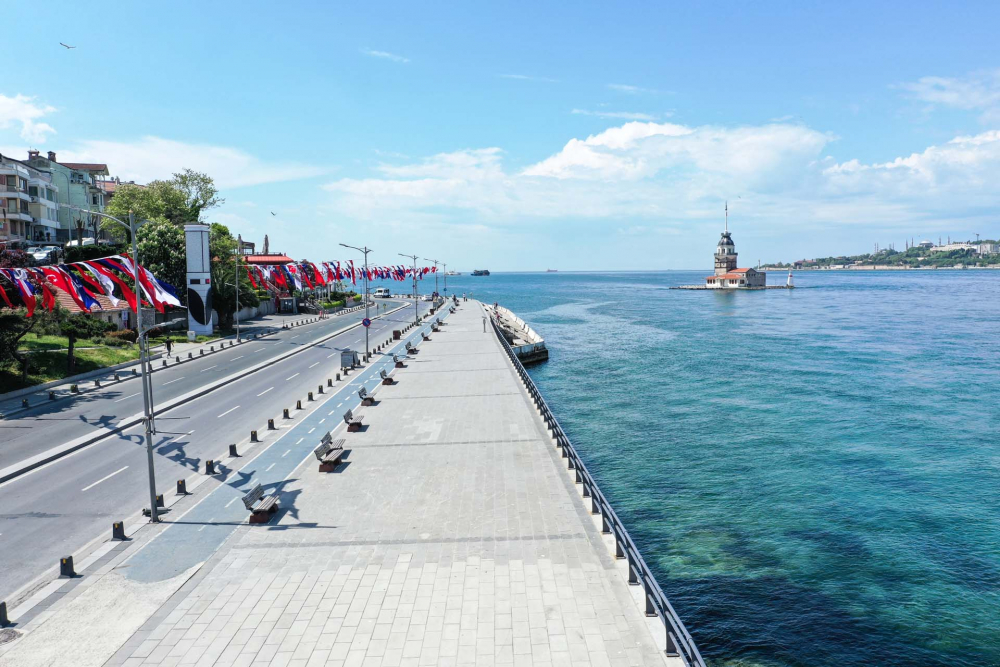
(40, 255)
(382, 293)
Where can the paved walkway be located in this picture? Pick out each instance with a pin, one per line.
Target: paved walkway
(450, 535)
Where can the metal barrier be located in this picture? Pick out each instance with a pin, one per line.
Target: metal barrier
(679, 641)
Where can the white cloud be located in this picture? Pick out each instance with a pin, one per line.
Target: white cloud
(24, 111)
(385, 55)
(631, 90)
(152, 158)
(645, 175)
(977, 91)
(526, 77)
(621, 115)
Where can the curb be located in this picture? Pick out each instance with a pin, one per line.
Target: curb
(27, 465)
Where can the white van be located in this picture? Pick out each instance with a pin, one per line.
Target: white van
(382, 293)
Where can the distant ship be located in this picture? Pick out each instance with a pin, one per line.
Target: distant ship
(481, 272)
(453, 273)
(551, 270)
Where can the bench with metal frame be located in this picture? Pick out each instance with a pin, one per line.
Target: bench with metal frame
(385, 377)
(261, 507)
(367, 398)
(397, 361)
(353, 420)
(329, 452)
(411, 348)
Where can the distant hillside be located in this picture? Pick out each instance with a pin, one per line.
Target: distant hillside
(914, 257)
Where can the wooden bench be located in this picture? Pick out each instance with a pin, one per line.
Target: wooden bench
(385, 377)
(353, 421)
(261, 507)
(410, 348)
(367, 399)
(396, 360)
(329, 452)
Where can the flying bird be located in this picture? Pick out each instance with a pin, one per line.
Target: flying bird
(274, 214)
(67, 45)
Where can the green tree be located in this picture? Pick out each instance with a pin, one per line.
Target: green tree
(199, 191)
(78, 327)
(14, 325)
(162, 250)
(222, 247)
(180, 200)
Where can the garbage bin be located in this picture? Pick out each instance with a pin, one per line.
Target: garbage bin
(349, 359)
(395, 334)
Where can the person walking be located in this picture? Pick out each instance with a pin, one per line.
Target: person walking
(169, 346)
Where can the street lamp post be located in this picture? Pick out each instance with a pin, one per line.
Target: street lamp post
(427, 259)
(147, 383)
(445, 265)
(237, 281)
(365, 250)
(416, 301)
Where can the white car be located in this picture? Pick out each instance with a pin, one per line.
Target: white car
(41, 255)
(427, 297)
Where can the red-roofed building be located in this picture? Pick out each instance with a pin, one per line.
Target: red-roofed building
(727, 276)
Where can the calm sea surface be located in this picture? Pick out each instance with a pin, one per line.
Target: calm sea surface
(813, 473)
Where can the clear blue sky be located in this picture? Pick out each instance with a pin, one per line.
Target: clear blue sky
(517, 136)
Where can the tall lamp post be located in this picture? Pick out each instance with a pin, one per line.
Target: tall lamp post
(147, 383)
(416, 302)
(365, 252)
(236, 280)
(445, 265)
(427, 259)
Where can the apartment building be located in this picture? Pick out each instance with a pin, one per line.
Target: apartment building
(28, 204)
(79, 188)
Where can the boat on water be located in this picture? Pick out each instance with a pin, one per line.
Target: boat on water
(453, 273)
(481, 272)
(551, 270)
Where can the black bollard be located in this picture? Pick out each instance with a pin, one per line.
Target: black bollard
(66, 567)
(118, 378)
(285, 414)
(182, 488)
(52, 395)
(97, 384)
(118, 530)
(24, 403)
(298, 405)
(319, 390)
(209, 467)
(159, 500)
(338, 377)
(311, 395)
(232, 451)
(329, 382)
(270, 424)
(253, 436)
(4, 620)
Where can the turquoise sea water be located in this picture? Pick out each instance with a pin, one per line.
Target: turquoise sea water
(813, 473)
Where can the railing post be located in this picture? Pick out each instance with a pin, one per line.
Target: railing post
(672, 651)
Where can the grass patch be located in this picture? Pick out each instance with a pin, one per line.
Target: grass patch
(178, 337)
(51, 365)
(35, 342)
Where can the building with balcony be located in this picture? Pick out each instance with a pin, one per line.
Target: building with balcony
(78, 187)
(28, 204)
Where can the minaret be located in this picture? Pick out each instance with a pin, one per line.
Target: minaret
(725, 252)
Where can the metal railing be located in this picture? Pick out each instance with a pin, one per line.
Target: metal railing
(679, 642)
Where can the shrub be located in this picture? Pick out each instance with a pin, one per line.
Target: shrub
(113, 341)
(127, 335)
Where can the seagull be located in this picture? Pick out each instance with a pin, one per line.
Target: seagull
(274, 214)
(67, 45)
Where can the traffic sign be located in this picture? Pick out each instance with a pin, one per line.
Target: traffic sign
(366, 322)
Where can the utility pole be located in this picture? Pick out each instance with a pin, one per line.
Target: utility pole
(416, 303)
(365, 250)
(435, 273)
(239, 253)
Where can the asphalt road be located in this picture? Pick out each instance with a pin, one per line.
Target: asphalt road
(47, 425)
(58, 508)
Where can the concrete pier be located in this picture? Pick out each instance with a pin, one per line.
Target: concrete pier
(451, 534)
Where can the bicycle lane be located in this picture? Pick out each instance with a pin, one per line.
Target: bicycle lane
(195, 535)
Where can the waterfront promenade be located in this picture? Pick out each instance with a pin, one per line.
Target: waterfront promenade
(451, 534)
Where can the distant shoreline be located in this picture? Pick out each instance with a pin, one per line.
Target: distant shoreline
(884, 267)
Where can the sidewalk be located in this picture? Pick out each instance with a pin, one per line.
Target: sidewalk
(450, 535)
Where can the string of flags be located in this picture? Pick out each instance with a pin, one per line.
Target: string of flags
(309, 275)
(85, 280)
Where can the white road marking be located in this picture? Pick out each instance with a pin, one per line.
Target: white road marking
(261, 349)
(104, 479)
(172, 381)
(239, 357)
(331, 411)
(126, 398)
(208, 369)
(294, 376)
(232, 501)
(264, 392)
(339, 404)
(286, 453)
(330, 355)
(316, 364)
(300, 440)
(269, 467)
(206, 524)
(322, 420)
(293, 337)
(311, 430)
(226, 412)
